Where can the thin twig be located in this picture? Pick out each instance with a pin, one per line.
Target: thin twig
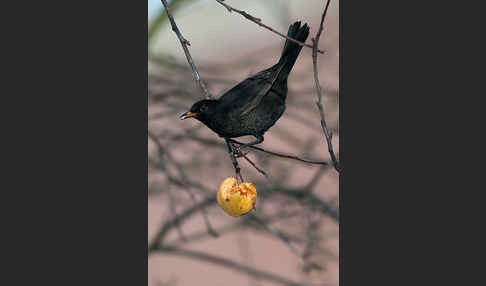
(259, 22)
(281, 154)
(184, 44)
(276, 233)
(187, 188)
(309, 198)
(315, 42)
(243, 244)
(312, 183)
(172, 207)
(158, 239)
(229, 264)
(256, 167)
(244, 223)
(184, 181)
(209, 227)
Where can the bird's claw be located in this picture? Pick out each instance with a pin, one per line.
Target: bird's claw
(238, 153)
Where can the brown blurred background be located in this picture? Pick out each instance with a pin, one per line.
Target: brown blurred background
(292, 237)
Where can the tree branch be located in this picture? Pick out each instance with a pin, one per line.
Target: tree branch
(286, 240)
(184, 181)
(157, 240)
(293, 157)
(258, 21)
(184, 44)
(172, 207)
(229, 264)
(328, 136)
(261, 171)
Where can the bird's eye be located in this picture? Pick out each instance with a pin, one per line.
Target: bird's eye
(204, 108)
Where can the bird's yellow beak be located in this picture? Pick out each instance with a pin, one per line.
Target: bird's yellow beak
(188, 115)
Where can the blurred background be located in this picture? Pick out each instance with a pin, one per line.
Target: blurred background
(292, 238)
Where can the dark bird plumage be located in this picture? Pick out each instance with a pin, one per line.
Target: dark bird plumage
(255, 104)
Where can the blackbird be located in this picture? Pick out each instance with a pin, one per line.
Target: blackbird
(255, 104)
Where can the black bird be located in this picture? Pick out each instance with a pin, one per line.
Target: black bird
(255, 104)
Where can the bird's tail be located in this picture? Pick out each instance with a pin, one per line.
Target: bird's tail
(291, 49)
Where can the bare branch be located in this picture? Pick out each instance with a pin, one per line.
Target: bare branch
(183, 183)
(244, 248)
(243, 223)
(276, 233)
(315, 42)
(157, 240)
(184, 44)
(308, 197)
(256, 167)
(229, 264)
(172, 205)
(258, 21)
(312, 183)
(187, 188)
(293, 157)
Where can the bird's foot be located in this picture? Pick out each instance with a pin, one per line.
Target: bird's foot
(238, 153)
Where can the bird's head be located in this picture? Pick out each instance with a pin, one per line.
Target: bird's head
(201, 110)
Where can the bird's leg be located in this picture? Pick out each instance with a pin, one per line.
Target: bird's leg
(233, 160)
(230, 150)
(237, 152)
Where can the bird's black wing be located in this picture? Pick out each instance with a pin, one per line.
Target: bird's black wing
(247, 94)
